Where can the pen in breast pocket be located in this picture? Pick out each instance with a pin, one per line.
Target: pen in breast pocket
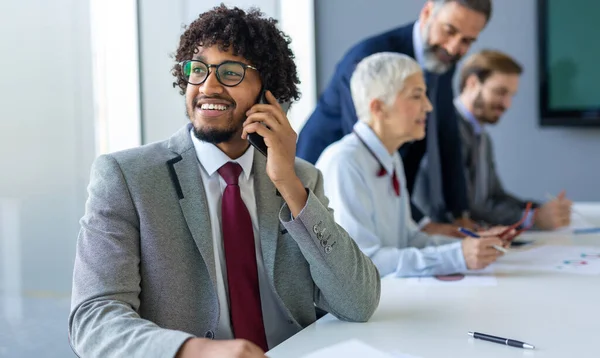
(476, 236)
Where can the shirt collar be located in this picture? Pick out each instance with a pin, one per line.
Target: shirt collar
(468, 116)
(212, 158)
(418, 44)
(377, 148)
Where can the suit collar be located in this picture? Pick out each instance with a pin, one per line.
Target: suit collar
(185, 175)
(180, 142)
(268, 205)
(406, 45)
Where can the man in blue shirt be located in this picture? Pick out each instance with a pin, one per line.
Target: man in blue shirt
(442, 35)
(488, 81)
(365, 179)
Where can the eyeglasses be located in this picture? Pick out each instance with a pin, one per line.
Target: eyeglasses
(506, 234)
(229, 73)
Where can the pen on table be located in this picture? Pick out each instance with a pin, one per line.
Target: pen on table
(589, 230)
(475, 235)
(500, 340)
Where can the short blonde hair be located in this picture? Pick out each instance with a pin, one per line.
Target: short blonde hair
(484, 63)
(380, 76)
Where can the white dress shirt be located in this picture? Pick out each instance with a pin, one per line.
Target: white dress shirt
(380, 222)
(211, 158)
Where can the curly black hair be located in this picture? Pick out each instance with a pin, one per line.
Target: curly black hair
(249, 35)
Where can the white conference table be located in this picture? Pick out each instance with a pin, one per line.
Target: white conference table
(559, 313)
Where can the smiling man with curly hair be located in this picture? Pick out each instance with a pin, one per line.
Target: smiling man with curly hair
(201, 246)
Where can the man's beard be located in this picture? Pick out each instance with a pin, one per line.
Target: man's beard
(432, 63)
(213, 135)
(480, 108)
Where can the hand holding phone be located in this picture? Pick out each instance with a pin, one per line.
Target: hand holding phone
(256, 139)
(269, 121)
(270, 126)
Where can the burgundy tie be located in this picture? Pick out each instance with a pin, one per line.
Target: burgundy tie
(240, 256)
(395, 182)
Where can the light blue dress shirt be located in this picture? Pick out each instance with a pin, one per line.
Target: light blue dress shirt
(477, 129)
(418, 44)
(380, 222)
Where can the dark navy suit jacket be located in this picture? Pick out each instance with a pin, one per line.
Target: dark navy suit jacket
(335, 116)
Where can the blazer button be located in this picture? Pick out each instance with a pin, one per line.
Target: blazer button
(328, 249)
(209, 334)
(316, 229)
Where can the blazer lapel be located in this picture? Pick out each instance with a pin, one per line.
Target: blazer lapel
(268, 204)
(185, 174)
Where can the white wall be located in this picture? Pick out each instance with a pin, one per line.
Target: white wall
(46, 149)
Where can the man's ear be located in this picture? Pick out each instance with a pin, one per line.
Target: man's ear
(426, 12)
(472, 82)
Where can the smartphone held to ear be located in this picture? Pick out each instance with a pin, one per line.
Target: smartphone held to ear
(256, 139)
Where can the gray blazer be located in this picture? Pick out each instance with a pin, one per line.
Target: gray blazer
(500, 207)
(144, 276)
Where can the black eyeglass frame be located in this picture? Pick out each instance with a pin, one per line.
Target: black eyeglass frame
(209, 66)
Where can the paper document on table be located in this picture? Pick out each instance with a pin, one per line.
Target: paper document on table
(483, 277)
(351, 349)
(569, 259)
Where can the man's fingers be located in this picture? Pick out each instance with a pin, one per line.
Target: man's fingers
(265, 118)
(257, 128)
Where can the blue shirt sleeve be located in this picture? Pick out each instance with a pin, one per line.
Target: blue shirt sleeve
(529, 219)
(354, 210)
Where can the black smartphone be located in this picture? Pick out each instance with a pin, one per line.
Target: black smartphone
(518, 243)
(256, 139)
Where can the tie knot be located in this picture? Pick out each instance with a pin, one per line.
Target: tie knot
(230, 172)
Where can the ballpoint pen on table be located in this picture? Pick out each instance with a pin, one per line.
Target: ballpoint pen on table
(500, 340)
(475, 235)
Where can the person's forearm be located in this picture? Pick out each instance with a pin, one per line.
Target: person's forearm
(348, 281)
(91, 336)
(431, 260)
(294, 194)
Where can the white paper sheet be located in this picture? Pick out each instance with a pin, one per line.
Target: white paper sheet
(569, 259)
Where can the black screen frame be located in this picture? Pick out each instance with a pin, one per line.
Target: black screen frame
(573, 117)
